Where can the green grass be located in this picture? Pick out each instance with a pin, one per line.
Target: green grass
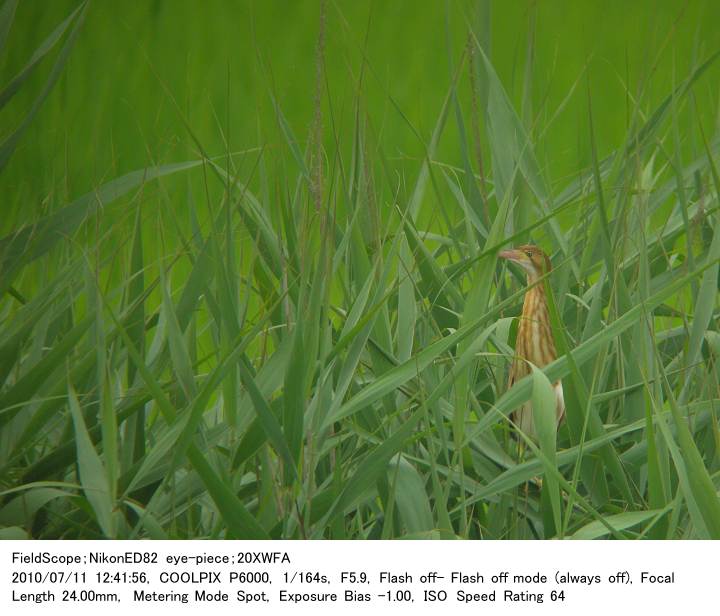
(292, 323)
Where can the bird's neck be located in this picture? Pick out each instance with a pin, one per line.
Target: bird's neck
(532, 276)
(535, 299)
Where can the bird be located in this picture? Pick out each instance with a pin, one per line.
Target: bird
(534, 342)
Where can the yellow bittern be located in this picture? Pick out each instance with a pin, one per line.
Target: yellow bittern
(534, 341)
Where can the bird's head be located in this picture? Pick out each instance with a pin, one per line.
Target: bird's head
(533, 260)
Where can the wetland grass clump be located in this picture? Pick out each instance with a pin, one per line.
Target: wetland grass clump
(311, 338)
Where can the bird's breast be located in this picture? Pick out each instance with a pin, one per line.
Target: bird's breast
(534, 339)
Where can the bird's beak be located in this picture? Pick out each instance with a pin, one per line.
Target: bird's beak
(513, 255)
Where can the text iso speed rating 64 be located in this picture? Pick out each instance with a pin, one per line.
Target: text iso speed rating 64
(319, 578)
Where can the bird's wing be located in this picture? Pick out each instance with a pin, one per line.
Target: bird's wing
(518, 370)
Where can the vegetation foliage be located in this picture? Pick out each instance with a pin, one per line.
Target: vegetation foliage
(310, 337)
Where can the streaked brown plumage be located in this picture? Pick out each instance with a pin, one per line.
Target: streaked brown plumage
(534, 341)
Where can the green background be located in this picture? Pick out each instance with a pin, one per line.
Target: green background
(111, 113)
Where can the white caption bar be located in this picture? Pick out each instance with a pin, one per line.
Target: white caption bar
(323, 577)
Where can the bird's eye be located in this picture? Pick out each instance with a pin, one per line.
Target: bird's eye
(529, 254)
